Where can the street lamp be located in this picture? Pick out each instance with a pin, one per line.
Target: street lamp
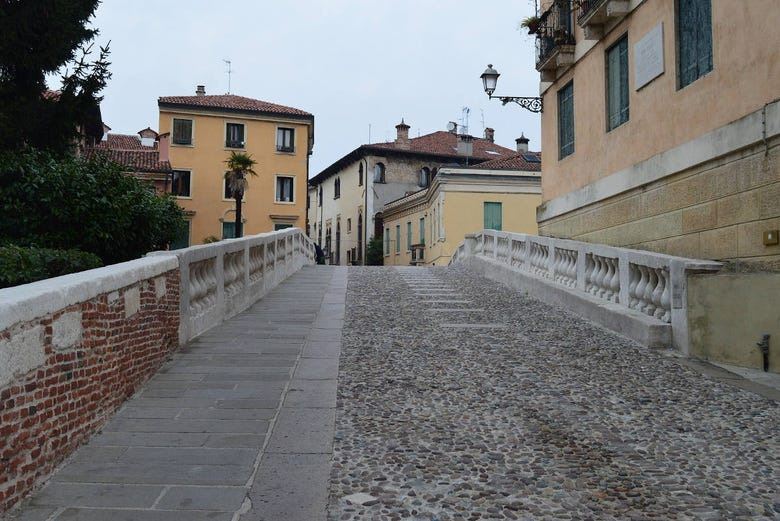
(489, 82)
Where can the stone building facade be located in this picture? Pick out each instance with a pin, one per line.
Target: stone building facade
(347, 198)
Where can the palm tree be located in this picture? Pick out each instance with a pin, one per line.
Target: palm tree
(239, 165)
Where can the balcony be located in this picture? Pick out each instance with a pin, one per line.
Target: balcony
(594, 15)
(555, 40)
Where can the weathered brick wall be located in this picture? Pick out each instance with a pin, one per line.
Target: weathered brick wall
(64, 374)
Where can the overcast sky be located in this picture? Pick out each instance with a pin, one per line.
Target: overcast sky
(354, 64)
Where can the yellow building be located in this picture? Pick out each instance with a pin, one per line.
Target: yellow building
(661, 131)
(426, 227)
(205, 129)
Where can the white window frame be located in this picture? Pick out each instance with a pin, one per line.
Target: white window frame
(277, 135)
(243, 143)
(188, 170)
(192, 132)
(276, 188)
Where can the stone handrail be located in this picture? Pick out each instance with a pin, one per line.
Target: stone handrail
(219, 280)
(646, 282)
(73, 348)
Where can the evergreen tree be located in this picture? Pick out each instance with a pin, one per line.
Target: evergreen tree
(41, 37)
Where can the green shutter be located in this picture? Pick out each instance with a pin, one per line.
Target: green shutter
(183, 240)
(228, 230)
(694, 38)
(492, 214)
(422, 230)
(409, 235)
(566, 121)
(617, 84)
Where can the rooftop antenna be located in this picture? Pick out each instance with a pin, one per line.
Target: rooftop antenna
(465, 120)
(482, 113)
(229, 70)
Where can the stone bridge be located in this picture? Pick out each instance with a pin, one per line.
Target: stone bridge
(304, 392)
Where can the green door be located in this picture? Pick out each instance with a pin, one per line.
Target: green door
(492, 216)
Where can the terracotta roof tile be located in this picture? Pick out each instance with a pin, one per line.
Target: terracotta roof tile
(445, 143)
(231, 102)
(514, 162)
(127, 150)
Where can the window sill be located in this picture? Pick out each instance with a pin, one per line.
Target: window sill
(187, 145)
(284, 202)
(186, 197)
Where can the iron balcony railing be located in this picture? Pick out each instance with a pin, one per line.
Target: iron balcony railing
(555, 30)
(586, 6)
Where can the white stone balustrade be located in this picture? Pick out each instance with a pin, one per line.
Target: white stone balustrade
(221, 279)
(645, 282)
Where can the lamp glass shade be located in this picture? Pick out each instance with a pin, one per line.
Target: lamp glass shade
(490, 79)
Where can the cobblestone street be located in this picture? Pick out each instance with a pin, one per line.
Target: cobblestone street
(461, 400)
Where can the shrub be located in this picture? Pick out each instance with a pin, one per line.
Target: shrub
(92, 206)
(19, 265)
(374, 254)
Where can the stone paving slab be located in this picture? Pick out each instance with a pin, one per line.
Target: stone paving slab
(237, 408)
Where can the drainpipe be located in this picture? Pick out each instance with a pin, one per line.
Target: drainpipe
(764, 346)
(365, 210)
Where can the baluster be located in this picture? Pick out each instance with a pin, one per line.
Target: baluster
(649, 307)
(606, 290)
(666, 298)
(640, 288)
(598, 278)
(657, 292)
(573, 269)
(614, 283)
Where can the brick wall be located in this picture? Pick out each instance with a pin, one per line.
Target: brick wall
(63, 375)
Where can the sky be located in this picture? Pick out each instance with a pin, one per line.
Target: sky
(359, 66)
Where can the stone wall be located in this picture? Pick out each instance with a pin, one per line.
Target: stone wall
(715, 210)
(72, 349)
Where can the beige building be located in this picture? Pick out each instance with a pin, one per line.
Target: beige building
(346, 198)
(425, 228)
(661, 128)
(205, 129)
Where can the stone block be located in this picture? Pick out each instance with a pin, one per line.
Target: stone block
(132, 301)
(769, 201)
(701, 217)
(720, 243)
(20, 354)
(66, 330)
(751, 239)
(159, 287)
(738, 208)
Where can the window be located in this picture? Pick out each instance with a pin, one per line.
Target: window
(337, 188)
(379, 173)
(425, 176)
(492, 213)
(281, 226)
(285, 139)
(234, 135)
(360, 175)
(227, 193)
(182, 131)
(617, 84)
(694, 39)
(409, 235)
(319, 199)
(566, 121)
(422, 230)
(398, 238)
(387, 241)
(349, 225)
(180, 183)
(284, 189)
(228, 229)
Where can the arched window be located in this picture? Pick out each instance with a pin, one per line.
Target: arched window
(360, 175)
(319, 199)
(379, 173)
(425, 176)
(337, 188)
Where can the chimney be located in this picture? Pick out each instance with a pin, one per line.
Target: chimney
(162, 146)
(201, 90)
(490, 134)
(402, 139)
(522, 144)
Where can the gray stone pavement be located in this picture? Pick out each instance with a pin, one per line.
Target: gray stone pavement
(423, 394)
(461, 400)
(237, 426)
